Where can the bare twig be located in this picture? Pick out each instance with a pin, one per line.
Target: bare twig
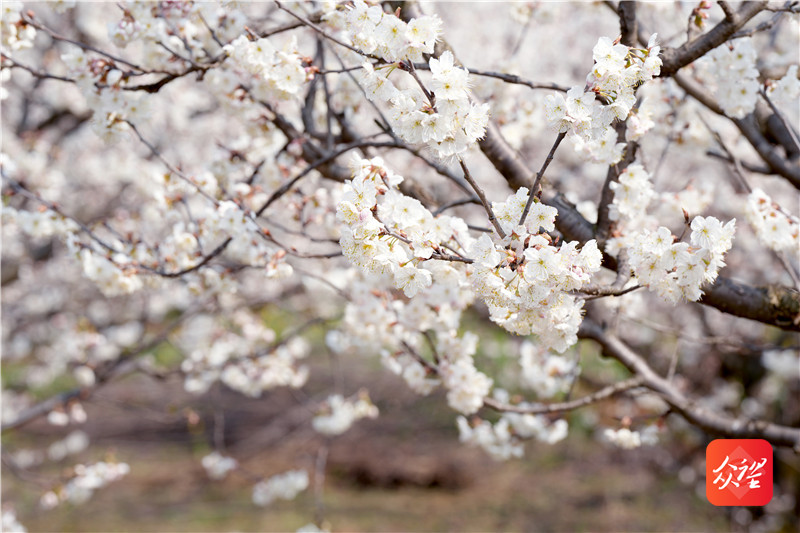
(508, 78)
(601, 292)
(456, 203)
(535, 185)
(538, 409)
(13, 63)
(482, 197)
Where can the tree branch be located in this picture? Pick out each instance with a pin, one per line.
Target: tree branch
(674, 59)
(539, 409)
(688, 407)
(628, 26)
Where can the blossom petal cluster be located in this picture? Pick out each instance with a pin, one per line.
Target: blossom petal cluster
(734, 69)
(284, 486)
(504, 439)
(247, 362)
(678, 270)
(786, 91)
(447, 128)
(546, 373)
(385, 232)
(271, 74)
(587, 114)
(15, 34)
(217, 465)
(388, 36)
(773, 225)
(627, 439)
(633, 191)
(526, 279)
(87, 480)
(339, 413)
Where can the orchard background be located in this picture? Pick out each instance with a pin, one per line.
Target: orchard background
(396, 266)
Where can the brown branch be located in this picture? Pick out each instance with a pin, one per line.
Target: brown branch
(13, 63)
(674, 59)
(775, 305)
(598, 291)
(508, 78)
(701, 417)
(482, 196)
(628, 26)
(535, 186)
(749, 127)
(206, 259)
(539, 409)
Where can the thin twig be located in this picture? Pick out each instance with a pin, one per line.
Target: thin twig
(535, 186)
(538, 409)
(508, 78)
(323, 32)
(319, 483)
(602, 292)
(169, 166)
(456, 203)
(781, 116)
(13, 63)
(482, 197)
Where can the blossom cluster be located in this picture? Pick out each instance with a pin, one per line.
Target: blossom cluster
(74, 414)
(284, 486)
(734, 69)
(774, 226)
(86, 481)
(175, 29)
(385, 232)
(9, 522)
(466, 385)
(74, 443)
(526, 279)
(217, 465)
(15, 34)
(39, 224)
(587, 114)
(505, 438)
(270, 74)
(545, 373)
(377, 320)
(786, 91)
(386, 35)
(100, 81)
(338, 414)
(447, 122)
(246, 361)
(678, 270)
(113, 274)
(633, 191)
(628, 440)
(443, 119)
